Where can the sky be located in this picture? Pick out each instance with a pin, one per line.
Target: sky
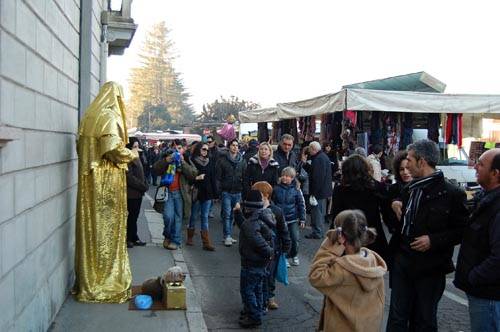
(281, 51)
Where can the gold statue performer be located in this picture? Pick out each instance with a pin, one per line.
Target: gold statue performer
(101, 260)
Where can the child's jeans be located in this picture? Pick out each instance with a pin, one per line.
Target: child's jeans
(251, 280)
(293, 228)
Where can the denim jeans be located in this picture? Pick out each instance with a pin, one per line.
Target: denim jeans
(200, 208)
(251, 279)
(414, 298)
(484, 314)
(318, 217)
(172, 217)
(293, 228)
(228, 202)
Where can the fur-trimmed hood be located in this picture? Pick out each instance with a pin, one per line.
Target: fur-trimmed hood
(255, 160)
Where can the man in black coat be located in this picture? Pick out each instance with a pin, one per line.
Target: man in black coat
(432, 216)
(229, 171)
(320, 186)
(478, 266)
(284, 155)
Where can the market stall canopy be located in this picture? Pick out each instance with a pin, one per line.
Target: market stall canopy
(259, 115)
(390, 101)
(417, 82)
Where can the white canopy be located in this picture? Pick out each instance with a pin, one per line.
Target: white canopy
(381, 100)
(259, 115)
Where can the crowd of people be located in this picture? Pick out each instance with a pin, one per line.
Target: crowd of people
(268, 194)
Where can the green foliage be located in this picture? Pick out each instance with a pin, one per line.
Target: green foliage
(155, 85)
(155, 117)
(219, 110)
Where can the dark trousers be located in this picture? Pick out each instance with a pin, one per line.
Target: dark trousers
(269, 282)
(133, 207)
(251, 280)
(414, 297)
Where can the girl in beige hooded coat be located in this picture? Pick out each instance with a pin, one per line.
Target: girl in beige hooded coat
(350, 276)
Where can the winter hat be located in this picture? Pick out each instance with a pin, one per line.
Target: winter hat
(253, 143)
(253, 201)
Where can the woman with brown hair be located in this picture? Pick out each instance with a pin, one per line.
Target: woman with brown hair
(358, 190)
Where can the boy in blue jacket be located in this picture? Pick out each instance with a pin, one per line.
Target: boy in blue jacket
(289, 198)
(256, 252)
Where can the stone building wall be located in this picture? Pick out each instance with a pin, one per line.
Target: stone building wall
(39, 101)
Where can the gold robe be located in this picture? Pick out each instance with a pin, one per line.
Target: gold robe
(101, 260)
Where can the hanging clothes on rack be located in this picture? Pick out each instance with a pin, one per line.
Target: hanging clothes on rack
(433, 121)
(336, 130)
(454, 129)
(393, 133)
(262, 132)
(406, 130)
(375, 128)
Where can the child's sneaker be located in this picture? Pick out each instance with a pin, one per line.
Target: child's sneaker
(272, 304)
(295, 261)
(287, 264)
(228, 241)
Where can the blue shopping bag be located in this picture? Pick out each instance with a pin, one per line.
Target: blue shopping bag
(282, 270)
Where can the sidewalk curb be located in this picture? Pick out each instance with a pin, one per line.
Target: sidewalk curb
(194, 315)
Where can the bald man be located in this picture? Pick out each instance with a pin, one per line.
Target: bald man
(478, 266)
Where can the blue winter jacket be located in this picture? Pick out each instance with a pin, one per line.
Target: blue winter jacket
(290, 200)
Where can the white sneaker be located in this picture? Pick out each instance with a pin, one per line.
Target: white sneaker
(295, 261)
(228, 242)
(233, 240)
(287, 263)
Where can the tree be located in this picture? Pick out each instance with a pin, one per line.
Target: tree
(155, 85)
(155, 117)
(218, 111)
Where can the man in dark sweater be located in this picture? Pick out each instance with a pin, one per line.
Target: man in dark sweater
(320, 186)
(284, 155)
(432, 216)
(478, 266)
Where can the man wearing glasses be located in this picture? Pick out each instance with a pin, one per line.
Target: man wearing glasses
(229, 173)
(213, 150)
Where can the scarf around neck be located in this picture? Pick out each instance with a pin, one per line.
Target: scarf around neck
(416, 189)
(264, 163)
(202, 161)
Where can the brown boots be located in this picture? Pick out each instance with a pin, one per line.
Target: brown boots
(206, 241)
(190, 234)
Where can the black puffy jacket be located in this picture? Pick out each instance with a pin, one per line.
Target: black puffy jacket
(255, 173)
(281, 230)
(230, 172)
(290, 200)
(255, 238)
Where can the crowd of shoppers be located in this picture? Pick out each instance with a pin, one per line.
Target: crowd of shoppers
(269, 194)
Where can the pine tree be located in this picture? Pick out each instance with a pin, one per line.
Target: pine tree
(155, 85)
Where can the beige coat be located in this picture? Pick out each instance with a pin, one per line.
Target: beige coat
(353, 286)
